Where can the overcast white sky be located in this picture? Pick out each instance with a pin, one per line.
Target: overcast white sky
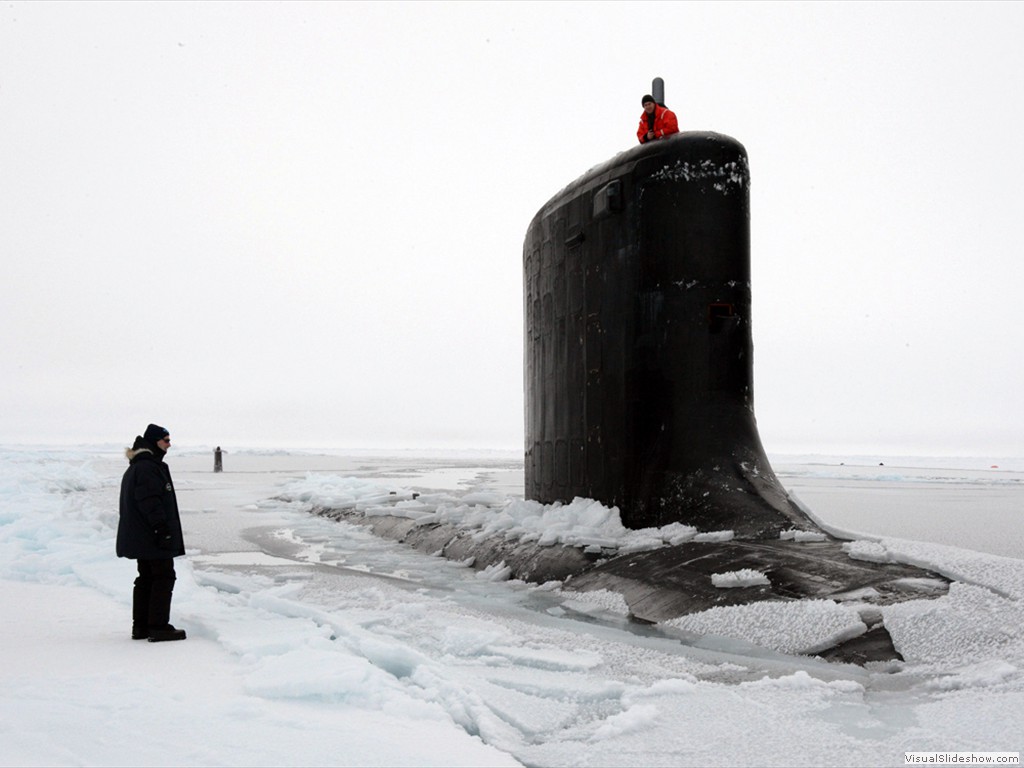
(301, 224)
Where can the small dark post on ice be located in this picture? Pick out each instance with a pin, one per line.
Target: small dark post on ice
(218, 460)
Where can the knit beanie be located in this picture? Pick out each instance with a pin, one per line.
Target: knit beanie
(154, 433)
(645, 99)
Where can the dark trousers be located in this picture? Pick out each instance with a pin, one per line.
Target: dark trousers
(151, 600)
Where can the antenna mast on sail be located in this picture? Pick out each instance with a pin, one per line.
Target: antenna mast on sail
(658, 91)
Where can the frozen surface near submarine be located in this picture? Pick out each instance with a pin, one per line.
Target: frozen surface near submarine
(639, 384)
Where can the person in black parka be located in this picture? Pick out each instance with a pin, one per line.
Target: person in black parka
(149, 531)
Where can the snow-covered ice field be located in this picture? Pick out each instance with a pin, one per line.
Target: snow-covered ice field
(312, 642)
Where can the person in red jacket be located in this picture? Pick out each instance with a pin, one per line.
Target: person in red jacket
(656, 122)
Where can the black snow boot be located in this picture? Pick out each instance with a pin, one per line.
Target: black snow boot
(165, 633)
(140, 608)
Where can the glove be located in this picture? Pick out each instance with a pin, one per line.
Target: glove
(162, 537)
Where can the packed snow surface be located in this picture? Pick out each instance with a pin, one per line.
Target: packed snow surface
(312, 642)
(745, 577)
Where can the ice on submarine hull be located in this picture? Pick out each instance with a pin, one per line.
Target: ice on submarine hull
(638, 349)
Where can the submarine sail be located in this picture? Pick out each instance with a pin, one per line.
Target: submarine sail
(638, 347)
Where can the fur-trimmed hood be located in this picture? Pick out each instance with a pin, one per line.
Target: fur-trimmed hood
(131, 453)
(143, 446)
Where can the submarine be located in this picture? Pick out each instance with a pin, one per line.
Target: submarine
(638, 381)
(638, 391)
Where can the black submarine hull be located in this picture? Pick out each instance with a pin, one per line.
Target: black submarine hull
(639, 394)
(638, 345)
(639, 391)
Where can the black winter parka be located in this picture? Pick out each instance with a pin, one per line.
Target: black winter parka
(148, 503)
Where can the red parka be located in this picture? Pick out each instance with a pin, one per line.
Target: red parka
(665, 124)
